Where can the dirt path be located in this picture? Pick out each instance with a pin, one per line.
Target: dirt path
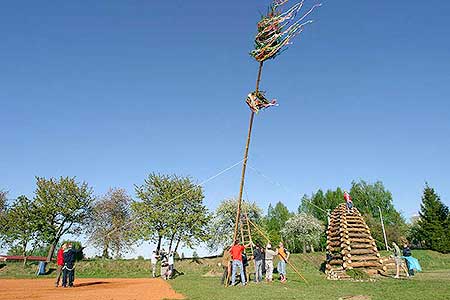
(88, 289)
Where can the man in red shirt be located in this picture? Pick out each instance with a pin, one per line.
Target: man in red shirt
(60, 263)
(236, 255)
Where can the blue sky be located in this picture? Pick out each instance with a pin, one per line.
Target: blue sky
(109, 91)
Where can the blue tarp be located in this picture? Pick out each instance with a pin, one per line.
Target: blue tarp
(413, 263)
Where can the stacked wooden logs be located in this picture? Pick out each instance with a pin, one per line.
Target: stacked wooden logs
(350, 244)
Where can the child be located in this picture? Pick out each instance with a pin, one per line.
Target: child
(348, 201)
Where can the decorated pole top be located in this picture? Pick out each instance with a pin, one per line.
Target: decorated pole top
(277, 28)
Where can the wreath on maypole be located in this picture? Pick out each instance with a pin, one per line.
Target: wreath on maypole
(276, 30)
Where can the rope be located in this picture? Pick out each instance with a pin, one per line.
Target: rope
(178, 196)
(282, 186)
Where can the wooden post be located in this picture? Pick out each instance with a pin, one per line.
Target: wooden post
(382, 226)
(244, 164)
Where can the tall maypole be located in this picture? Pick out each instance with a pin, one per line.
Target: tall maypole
(275, 31)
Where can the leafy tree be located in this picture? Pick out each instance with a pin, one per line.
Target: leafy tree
(2, 201)
(222, 225)
(433, 225)
(3, 223)
(63, 207)
(110, 223)
(20, 230)
(171, 208)
(367, 198)
(320, 203)
(274, 221)
(301, 231)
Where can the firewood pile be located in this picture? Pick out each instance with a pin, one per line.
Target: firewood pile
(350, 245)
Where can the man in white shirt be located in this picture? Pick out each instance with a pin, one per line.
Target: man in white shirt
(171, 263)
(154, 261)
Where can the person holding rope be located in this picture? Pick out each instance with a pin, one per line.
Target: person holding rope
(283, 253)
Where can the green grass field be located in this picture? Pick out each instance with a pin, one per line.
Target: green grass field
(433, 283)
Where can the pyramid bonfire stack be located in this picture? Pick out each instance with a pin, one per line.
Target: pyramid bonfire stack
(350, 244)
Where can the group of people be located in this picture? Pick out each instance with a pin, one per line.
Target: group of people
(234, 258)
(167, 263)
(65, 260)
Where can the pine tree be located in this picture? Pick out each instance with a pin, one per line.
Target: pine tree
(433, 223)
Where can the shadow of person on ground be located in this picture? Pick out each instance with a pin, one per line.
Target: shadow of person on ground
(90, 283)
(176, 273)
(50, 271)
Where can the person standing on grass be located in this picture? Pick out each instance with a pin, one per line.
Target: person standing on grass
(236, 255)
(226, 265)
(171, 260)
(258, 256)
(69, 265)
(283, 253)
(60, 263)
(154, 261)
(269, 262)
(398, 260)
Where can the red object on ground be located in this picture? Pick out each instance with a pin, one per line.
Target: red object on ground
(236, 252)
(88, 289)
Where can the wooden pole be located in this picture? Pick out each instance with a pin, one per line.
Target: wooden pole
(289, 263)
(244, 164)
(382, 226)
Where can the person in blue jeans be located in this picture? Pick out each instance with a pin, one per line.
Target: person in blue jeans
(236, 255)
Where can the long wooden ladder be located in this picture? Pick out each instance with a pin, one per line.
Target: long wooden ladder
(246, 239)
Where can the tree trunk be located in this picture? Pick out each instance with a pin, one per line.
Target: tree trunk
(312, 248)
(51, 251)
(158, 246)
(105, 252)
(178, 244)
(171, 241)
(24, 254)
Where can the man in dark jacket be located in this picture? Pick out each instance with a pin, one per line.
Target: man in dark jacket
(259, 256)
(69, 264)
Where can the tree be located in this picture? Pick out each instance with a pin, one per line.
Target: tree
(110, 223)
(367, 198)
(171, 208)
(63, 207)
(433, 225)
(274, 221)
(21, 226)
(301, 231)
(3, 223)
(222, 224)
(320, 203)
